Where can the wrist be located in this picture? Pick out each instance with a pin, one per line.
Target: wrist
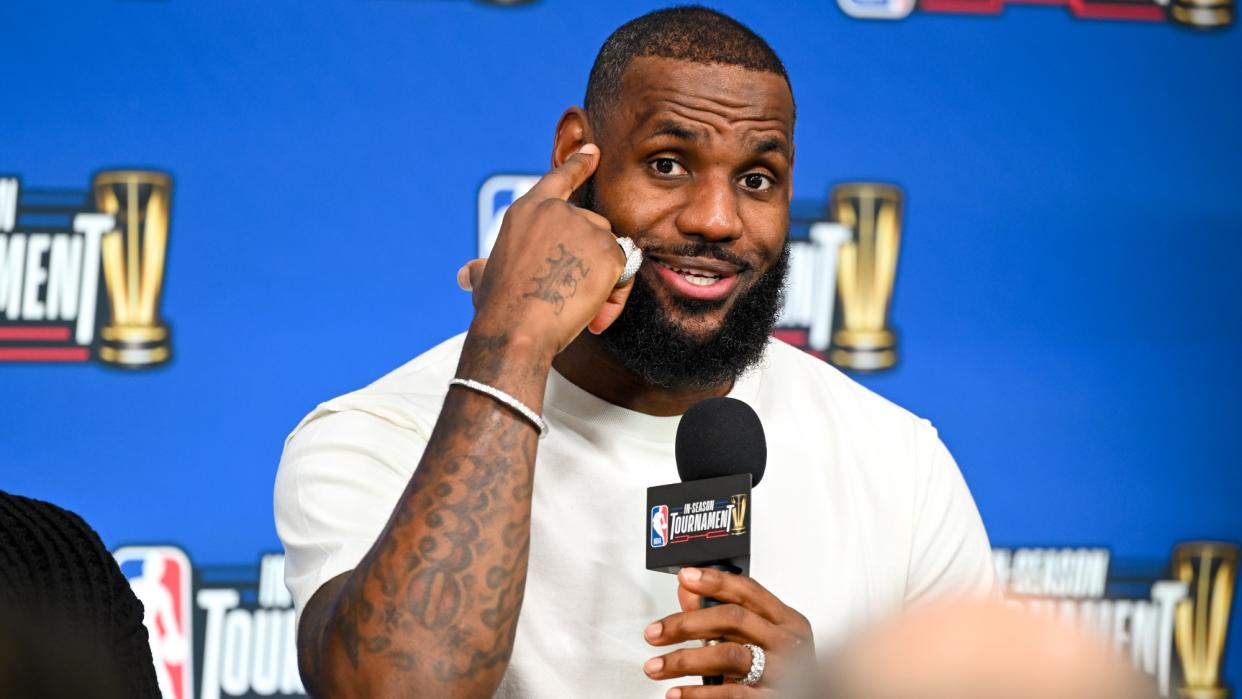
(505, 399)
(516, 363)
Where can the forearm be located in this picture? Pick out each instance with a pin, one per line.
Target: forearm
(433, 607)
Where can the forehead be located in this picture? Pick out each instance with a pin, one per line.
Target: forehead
(721, 98)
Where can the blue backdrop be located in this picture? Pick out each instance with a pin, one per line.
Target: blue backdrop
(1067, 296)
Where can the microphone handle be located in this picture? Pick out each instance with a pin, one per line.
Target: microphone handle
(712, 602)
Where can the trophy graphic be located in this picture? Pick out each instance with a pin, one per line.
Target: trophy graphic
(866, 270)
(133, 264)
(1209, 570)
(1202, 14)
(737, 514)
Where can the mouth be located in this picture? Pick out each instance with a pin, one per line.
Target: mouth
(701, 278)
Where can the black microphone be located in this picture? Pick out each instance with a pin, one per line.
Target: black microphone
(720, 437)
(704, 521)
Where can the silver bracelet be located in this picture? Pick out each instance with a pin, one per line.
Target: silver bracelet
(507, 400)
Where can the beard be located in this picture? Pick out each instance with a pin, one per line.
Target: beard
(648, 342)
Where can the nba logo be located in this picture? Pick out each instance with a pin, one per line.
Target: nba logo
(495, 196)
(877, 9)
(160, 577)
(659, 526)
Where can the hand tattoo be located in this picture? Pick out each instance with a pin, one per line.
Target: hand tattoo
(561, 281)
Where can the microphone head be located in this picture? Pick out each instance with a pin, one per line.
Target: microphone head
(720, 437)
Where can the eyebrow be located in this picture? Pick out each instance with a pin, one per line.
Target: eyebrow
(674, 129)
(770, 145)
(760, 146)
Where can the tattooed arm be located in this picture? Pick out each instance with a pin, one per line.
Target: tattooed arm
(432, 608)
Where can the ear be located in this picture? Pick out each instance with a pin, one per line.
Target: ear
(572, 132)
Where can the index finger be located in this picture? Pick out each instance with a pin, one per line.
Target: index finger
(572, 174)
(726, 587)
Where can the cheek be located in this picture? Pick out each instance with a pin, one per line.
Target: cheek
(631, 205)
(768, 227)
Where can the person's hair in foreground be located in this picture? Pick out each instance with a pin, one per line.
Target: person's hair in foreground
(69, 623)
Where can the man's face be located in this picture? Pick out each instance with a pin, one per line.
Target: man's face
(696, 168)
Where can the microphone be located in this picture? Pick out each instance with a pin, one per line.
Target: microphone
(704, 521)
(720, 437)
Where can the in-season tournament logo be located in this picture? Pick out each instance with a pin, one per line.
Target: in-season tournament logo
(1171, 625)
(81, 272)
(1197, 14)
(702, 519)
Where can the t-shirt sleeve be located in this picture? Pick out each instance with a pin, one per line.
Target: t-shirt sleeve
(950, 555)
(339, 479)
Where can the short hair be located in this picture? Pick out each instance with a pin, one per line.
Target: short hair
(688, 33)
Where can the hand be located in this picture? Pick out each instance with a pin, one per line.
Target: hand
(747, 613)
(554, 267)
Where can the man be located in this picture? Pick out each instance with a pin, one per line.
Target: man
(435, 546)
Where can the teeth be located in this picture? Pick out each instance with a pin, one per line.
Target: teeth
(695, 277)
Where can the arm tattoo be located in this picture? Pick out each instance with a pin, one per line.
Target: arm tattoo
(439, 593)
(561, 281)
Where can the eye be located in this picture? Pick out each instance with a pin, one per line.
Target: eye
(667, 166)
(757, 182)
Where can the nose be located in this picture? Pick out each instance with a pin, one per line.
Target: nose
(711, 211)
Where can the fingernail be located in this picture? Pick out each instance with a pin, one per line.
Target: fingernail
(463, 278)
(674, 693)
(653, 666)
(589, 149)
(691, 574)
(654, 630)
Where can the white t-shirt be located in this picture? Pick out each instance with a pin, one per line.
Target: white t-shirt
(861, 511)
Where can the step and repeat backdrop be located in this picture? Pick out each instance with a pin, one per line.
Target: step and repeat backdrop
(1021, 220)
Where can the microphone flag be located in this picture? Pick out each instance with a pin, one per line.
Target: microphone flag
(699, 523)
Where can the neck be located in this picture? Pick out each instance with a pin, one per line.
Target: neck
(590, 366)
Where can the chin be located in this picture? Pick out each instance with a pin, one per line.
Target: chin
(700, 325)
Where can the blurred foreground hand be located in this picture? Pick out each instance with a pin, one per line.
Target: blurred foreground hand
(980, 650)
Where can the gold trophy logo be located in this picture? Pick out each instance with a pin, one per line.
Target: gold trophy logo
(866, 270)
(1202, 14)
(1210, 570)
(737, 513)
(133, 264)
